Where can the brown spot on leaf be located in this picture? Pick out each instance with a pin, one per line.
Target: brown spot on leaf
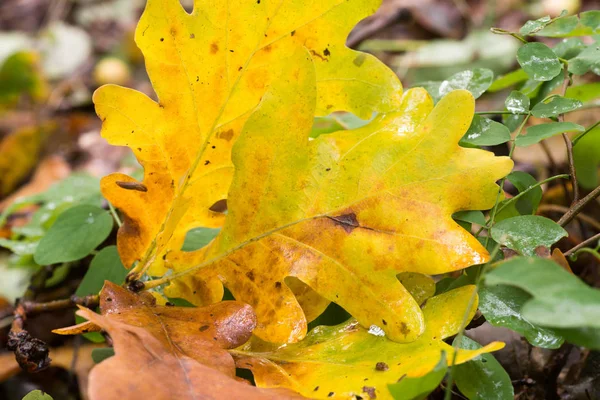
(326, 53)
(203, 328)
(214, 48)
(346, 221)
(192, 36)
(226, 135)
(250, 275)
(404, 328)
(381, 366)
(360, 60)
(370, 391)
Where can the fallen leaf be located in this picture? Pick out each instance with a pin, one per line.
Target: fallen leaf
(20, 153)
(198, 333)
(144, 367)
(210, 69)
(345, 361)
(347, 211)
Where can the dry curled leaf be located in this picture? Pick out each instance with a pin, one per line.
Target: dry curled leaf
(199, 333)
(144, 367)
(346, 212)
(346, 361)
(210, 69)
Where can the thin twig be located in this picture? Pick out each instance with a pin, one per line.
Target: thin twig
(31, 307)
(586, 242)
(572, 171)
(577, 207)
(545, 208)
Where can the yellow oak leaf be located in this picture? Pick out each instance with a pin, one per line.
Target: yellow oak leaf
(346, 212)
(210, 70)
(346, 360)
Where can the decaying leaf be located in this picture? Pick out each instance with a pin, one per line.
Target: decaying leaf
(198, 333)
(210, 69)
(144, 367)
(346, 212)
(345, 361)
(20, 152)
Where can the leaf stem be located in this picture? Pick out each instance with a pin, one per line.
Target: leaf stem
(524, 192)
(498, 112)
(582, 134)
(115, 215)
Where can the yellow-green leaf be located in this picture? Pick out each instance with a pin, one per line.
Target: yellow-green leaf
(210, 69)
(346, 212)
(345, 361)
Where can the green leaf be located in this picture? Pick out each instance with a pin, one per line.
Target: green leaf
(418, 388)
(560, 299)
(510, 79)
(529, 202)
(559, 27)
(474, 217)
(501, 305)
(586, 154)
(106, 266)
(485, 132)
(591, 19)
(557, 105)
(533, 26)
(198, 238)
(585, 60)
(475, 81)
(482, 378)
(101, 354)
(512, 121)
(76, 189)
(584, 93)
(37, 395)
(76, 232)
(517, 102)
(586, 337)
(527, 232)
(568, 48)
(538, 61)
(537, 133)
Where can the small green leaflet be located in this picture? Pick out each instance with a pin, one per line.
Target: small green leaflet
(510, 79)
(76, 232)
(101, 354)
(37, 395)
(587, 158)
(198, 238)
(538, 61)
(485, 132)
(474, 217)
(527, 232)
(585, 60)
(501, 305)
(482, 378)
(569, 48)
(106, 266)
(559, 298)
(419, 388)
(475, 81)
(533, 26)
(517, 102)
(537, 133)
(557, 105)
